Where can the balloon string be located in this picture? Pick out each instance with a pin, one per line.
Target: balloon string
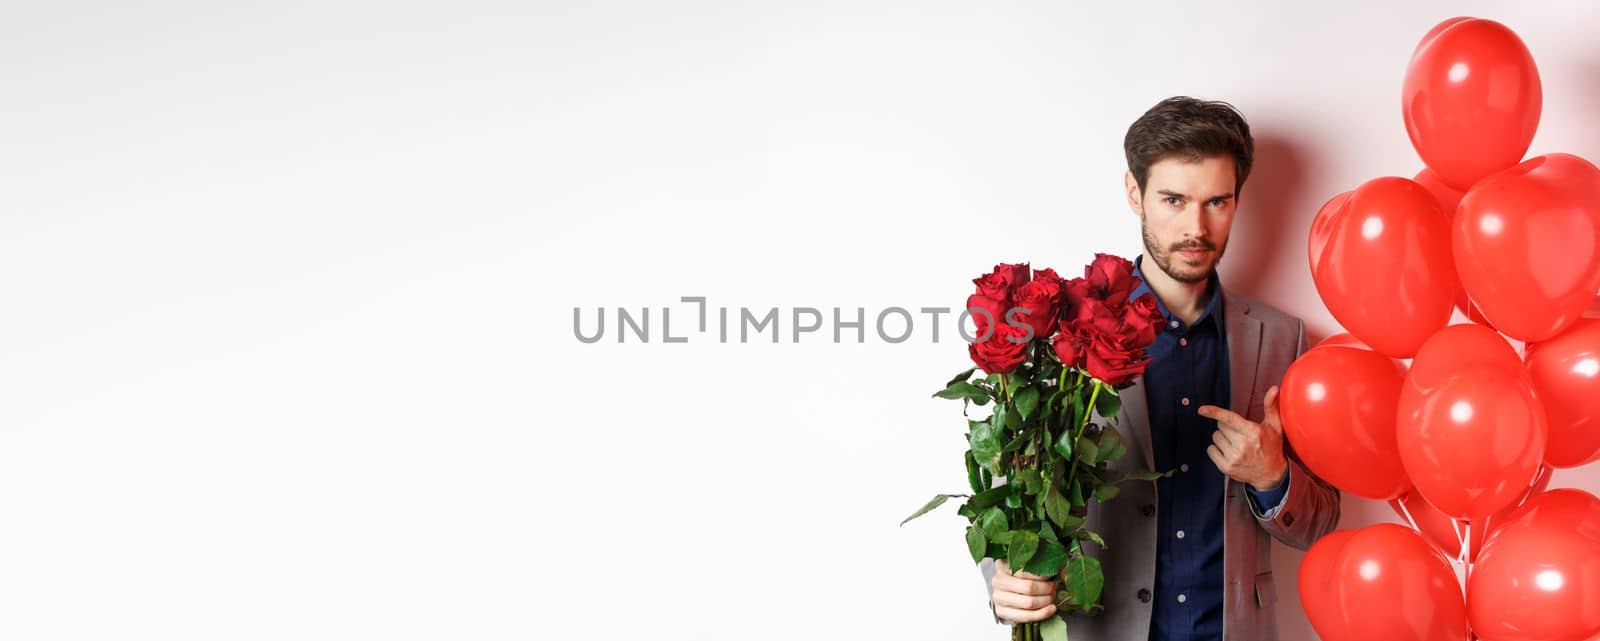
(1461, 543)
(1407, 513)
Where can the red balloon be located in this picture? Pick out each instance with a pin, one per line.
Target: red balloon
(1385, 271)
(1526, 243)
(1538, 578)
(1382, 582)
(1341, 339)
(1456, 348)
(1565, 371)
(1322, 226)
(1435, 526)
(1471, 99)
(1447, 196)
(1440, 528)
(1472, 445)
(1339, 407)
(1318, 592)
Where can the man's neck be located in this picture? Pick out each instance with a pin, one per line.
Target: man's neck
(1185, 300)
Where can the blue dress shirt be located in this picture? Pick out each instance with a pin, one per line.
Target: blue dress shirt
(1189, 369)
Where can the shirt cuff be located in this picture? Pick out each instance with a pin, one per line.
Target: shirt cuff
(1268, 502)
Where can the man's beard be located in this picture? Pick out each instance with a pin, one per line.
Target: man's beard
(1163, 259)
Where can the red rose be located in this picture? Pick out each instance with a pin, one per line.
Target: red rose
(1003, 352)
(1145, 318)
(1096, 317)
(1069, 347)
(986, 312)
(1111, 279)
(1038, 301)
(1048, 274)
(1114, 364)
(1002, 282)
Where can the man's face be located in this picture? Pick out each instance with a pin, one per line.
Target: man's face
(1185, 212)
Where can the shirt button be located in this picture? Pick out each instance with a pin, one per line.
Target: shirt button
(1183, 468)
(1184, 401)
(1182, 598)
(1180, 534)
(1173, 324)
(1183, 342)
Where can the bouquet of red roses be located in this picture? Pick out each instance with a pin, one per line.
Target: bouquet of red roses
(1053, 352)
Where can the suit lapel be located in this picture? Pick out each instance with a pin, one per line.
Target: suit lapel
(1136, 416)
(1244, 351)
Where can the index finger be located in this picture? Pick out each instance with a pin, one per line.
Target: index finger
(1227, 420)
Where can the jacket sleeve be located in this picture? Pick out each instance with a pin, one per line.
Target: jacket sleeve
(1311, 508)
(986, 567)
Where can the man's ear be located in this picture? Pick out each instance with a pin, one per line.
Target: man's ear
(1135, 199)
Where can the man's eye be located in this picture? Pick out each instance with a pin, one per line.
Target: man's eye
(1172, 200)
(1217, 203)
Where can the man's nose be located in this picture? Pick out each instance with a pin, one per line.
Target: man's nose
(1189, 221)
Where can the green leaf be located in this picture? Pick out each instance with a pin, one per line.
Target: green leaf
(1031, 480)
(1015, 443)
(1107, 405)
(1092, 537)
(990, 497)
(1014, 500)
(1106, 492)
(962, 377)
(976, 543)
(1056, 506)
(1072, 522)
(1023, 545)
(974, 479)
(1053, 629)
(963, 389)
(936, 502)
(1064, 448)
(1146, 475)
(1111, 446)
(1076, 493)
(1049, 559)
(1013, 418)
(1027, 400)
(1087, 450)
(985, 442)
(1084, 581)
(1047, 533)
(993, 522)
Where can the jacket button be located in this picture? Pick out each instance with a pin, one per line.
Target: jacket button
(1144, 595)
(1147, 510)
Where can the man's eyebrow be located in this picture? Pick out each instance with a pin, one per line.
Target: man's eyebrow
(1222, 196)
(1169, 192)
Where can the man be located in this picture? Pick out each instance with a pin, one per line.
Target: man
(1188, 558)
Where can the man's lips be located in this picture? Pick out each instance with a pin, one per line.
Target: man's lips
(1193, 254)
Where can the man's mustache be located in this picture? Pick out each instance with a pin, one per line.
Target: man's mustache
(1195, 245)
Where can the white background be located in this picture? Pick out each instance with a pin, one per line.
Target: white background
(288, 348)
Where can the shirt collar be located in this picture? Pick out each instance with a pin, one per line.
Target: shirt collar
(1213, 306)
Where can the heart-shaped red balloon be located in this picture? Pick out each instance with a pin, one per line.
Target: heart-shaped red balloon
(1539, 575)
(1526, 243)
(1385, 270)
(1565, 371)
(1339, 407)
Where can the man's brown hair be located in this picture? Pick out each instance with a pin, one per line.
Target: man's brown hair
(1189, 129)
